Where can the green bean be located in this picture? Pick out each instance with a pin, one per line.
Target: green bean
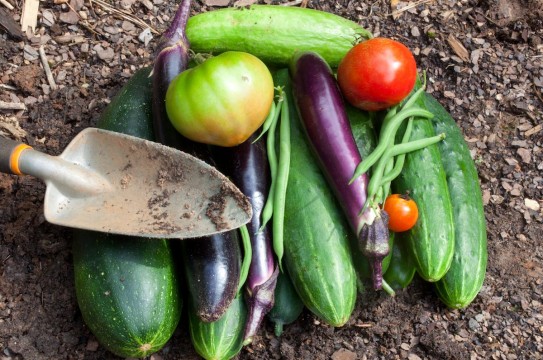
(387, 134)
(283, 168)
(247, 256)
(267, 123)
(267, 211)
(400, 159)
(376, 179)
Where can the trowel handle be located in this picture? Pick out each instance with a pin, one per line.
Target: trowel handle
(10, 151)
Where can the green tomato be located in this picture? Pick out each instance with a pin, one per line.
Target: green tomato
(223, 100)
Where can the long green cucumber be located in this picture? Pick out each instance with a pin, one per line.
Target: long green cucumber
(126, 287)
(465, 277)
(431, 240)
(316, 236)
(220, 339)
(401, 270)
(273, 33)
(287, 305)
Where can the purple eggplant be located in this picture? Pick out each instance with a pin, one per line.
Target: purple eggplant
(172, 57)
(247, 166)
(322, 111)
(211, 265)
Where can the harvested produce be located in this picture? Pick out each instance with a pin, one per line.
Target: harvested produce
(212, 271)
(273, 33)
(220, 339)
(402, 211)
(287, 306)
(465, 277)
(171, 58)
(215, 103)
(377, 74)
(126, 287)
(401, 270)
(431, 240)
(327, 128)
(247, 166)
(317, 255)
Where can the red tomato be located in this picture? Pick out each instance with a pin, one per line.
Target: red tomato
(402, 211)
(377, 73)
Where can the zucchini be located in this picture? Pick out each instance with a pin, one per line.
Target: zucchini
(287, 307)
(401, 270)
(465, 277)
(316, 235)
(126, 286)
(431, 240)
(273, 33)
(221, 339)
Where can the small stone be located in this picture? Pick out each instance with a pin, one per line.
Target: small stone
(104, 54)
(413, 357)
(525, 155)
(415, 31)
(30, 53)
(473, 324)
(70, 17)
(344, 354)
(47, 18)
(217, 2)
(532, 204)
(405, 346)
(92, 345)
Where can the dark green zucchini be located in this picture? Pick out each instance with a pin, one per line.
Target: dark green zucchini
(126, 286)
(465, 277)
(287, 307)
(221, 339)
(401, 270)
(431, 240)
(316, 236)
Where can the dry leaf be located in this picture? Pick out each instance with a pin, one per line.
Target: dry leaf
(10, 126)
(458, 48)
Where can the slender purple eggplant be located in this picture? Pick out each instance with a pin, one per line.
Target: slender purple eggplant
(212, 265)
(247, 166)
(322, 111)
(172, 57)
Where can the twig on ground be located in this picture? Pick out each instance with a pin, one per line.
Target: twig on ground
(45, 63)
(6, 4)
(11, 106)
(123, 14)
(395, 13)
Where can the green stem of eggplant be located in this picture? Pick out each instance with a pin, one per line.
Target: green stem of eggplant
(390, 291)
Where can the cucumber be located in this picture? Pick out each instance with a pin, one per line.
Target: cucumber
(465, 277)
(221, 339)
(431, 240)
(316, 235)
(273, 33)
(287, 307)
(401, 270)
(126, 287)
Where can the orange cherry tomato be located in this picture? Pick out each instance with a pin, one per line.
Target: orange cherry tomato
(402, 211)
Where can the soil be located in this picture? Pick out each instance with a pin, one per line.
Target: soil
(484, 62)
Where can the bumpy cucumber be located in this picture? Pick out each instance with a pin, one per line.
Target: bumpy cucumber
(401, 270)
(287, 307)
(126, 287)
(431, 240)
(465, 277)
(221, 339)
(316, 235)
(273, 33)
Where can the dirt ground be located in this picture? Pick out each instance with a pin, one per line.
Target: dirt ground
(484, 61)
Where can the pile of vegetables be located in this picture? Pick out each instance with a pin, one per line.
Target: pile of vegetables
(356, 177)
